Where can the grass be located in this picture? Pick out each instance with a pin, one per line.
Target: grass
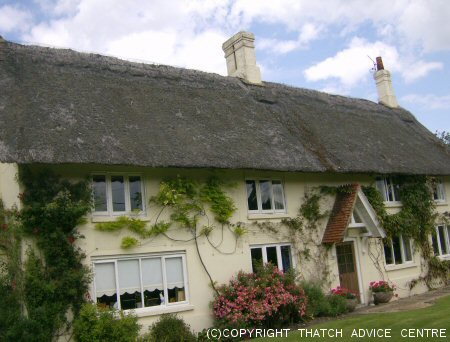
(436, 316)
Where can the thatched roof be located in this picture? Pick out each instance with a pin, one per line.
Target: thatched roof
(61, 106)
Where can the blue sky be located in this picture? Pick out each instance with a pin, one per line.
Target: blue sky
(323, 45)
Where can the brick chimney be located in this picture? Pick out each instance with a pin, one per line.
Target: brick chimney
(383, 80)
(241, 59)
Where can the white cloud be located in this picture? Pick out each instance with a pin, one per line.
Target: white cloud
(428, 101)
(12, 18)
(351, 65)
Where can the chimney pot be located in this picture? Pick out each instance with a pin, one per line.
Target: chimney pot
(241, 58)
(380, 65)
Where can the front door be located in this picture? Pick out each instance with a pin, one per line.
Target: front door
(348, 275)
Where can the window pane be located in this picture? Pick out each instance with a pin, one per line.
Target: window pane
(175, 280)
(135, 192)
(105, 285)
(397, 249)
(381, 186)
(257, 258)
(442, 240)
(396, 188)
(118, 193)
(388, 253)
(251, 195)
(407, 248)
(129, 284)
(435, 243)
(99, 188)
(272, 256)
(286, 257)
(152, 281)
(278, 199)
(266, 194)
(448, 239)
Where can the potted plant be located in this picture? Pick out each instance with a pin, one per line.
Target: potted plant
(382, 291)
(351, 297)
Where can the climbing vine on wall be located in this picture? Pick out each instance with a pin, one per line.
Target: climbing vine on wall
(51, 280)
(188, 203)
(416, 219)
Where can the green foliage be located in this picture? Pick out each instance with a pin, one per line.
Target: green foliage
(159, 228)
(169, 328)
(129, 242)
(239, 231)
(310, 209)
(221, 205)
(124, 222)
(320, 304)
(101, 325)
(416, 219)
(444, 136)
(53, 279)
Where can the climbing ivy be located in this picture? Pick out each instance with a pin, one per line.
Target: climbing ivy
(186, 201)
(52, 279)
(416, 219)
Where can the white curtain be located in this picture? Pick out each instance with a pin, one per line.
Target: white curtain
(105, 279)
(152, 274)
(129, 280)
(174, 272)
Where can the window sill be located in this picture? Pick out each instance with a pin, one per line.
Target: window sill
(159, 311)
(440, 203)
(444, 257)
(394, 204)
(266, 216)
(111, 218)
(400, 267)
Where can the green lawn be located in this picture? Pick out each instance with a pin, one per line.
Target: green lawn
(433, 317)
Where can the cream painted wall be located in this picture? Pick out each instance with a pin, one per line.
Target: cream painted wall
(224, 266)
(9, 187)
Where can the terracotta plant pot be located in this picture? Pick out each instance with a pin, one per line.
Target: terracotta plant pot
(351, 304)
(382, 297)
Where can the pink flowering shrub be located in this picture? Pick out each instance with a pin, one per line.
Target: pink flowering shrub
(381, 286)
(269, 298)
(343, 292)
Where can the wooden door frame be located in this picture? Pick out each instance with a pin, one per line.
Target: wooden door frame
(356, 257)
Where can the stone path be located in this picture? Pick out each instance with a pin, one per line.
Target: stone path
(404, 304)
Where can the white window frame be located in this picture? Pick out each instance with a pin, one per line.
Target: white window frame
(279, 258)
(402, 251)
(109, 200)
(163, 257)
(258, 196)
(384, 184)
(438, 188)
(446, 229)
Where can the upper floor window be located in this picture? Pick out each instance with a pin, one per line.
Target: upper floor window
(438, 190)
(389, 188)
(278, 255)
(441, 240)
(398, 250)
(140, 282)
(265, 196)
(117, 194)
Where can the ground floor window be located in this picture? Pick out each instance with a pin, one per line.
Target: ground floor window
(398, 250)
(139, 282)
(441, 240)
(278, 255)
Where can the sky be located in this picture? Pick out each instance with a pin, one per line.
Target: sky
(327, 45)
